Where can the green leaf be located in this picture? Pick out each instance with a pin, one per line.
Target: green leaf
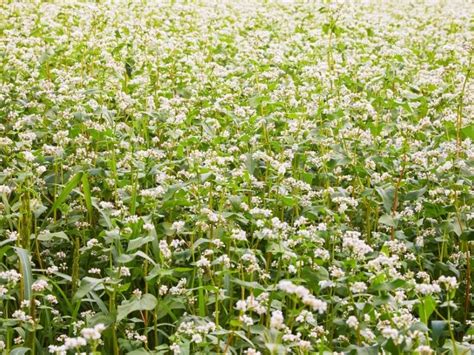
(87, 285)
(468, 132)
(455, 227)
(19, 351)
(314, 276)
(169, 307)
(106, 319)
(146, 302)
(275, 348)
(241, 335)
(415, 194)
(437, 328)
(140, 351)
(387, 220)
(389, 286)
(434, 210)
(201, 300)
(248, 284)
(426, 307)
(48, 236)
(289, 201)
(38, 208)
(87, 193)
(457, 348)
(26, 274)
(126, 258)
(138, 242)
(250, 163)
(387, 197)
(72, 183)
(363, 350)
(468, 235)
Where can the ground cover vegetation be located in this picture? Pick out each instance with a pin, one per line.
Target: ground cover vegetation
(236, 177)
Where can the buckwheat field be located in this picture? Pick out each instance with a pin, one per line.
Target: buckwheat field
(236, 177)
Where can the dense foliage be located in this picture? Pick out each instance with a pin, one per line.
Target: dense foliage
(236, 177)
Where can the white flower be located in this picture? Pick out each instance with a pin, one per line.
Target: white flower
(58, 350)
(164, 249)
(449, 282)
(316, 304)
(241, 305)
(238, 234)
(303, 293)
(73, 343)
(203, 262)
(92, 242)
(277, 320)
(93, 333)
(368, 335)
(28, 156)
(175, 349)
(39, 286)
(3, 290)
(389, 332)
(4, 189)
(13, 236)
(51, 299)
(246, 320)
(424, 350)
(197, 338)
(163, 290)
(124, 271)
(178, 226)
(352, 243)
(12, 276)
(358, 287)
(326, 283)
(20, 315)
(427, 289)
(352, 322)
(252, 351)
(94, 270)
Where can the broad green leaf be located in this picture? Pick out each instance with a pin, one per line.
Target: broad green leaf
(437, 328)
(251, 285)
(140, 351)
(387, 220)
(468, 132)
(126, 258)
(426, 307)
(455, 227)
(20, 351)
(169, 307)
(387, 197)
(146, 302)
(468, 235)
(138, 242)
(416, 194)
(363, 350)
(37, 207)
(87, 285)
(458, 348)
(389, 286)
(48, 236)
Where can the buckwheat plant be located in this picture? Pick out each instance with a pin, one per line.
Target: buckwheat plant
(236, 177)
